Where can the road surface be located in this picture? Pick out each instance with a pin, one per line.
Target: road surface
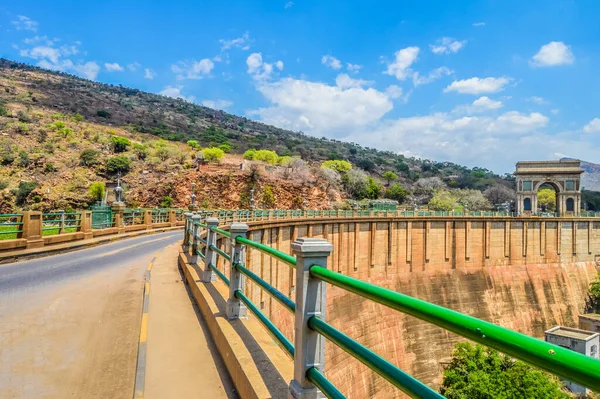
(69, 324)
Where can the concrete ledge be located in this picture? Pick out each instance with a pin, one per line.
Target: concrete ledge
(245, 361)
(58, 238)
(23, 254)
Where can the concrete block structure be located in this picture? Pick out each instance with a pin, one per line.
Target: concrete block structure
(589, 322)
(581, 341)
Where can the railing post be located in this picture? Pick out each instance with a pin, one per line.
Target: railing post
(309, 346)
(210, 256)
(86, 224)
(148, 218)
(61, 230)
(195, 234)
(187, 218)
(32, 229)
(235, 308)
(173, 217)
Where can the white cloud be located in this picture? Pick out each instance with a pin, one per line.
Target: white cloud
(345, 82)
(514, 122)
(258, 69)
(114, 67)
(555, 111)
(353, 67)
(593, 126)
(537, 100)
(133, 66)
(193, 70)
(149, 73)
(37, 39)
(175, 92)
(24, 23)
(400, 67)
(331, 62)
(217, 104)
(447, 45)
(482, 104)
(53, 58)
(478, 85)
(88, 70)
(553, 54)
(240, 42)
(40, 52)
(433, 75)
(394, 91)
(289, 4)
(479, 24)
(318, 107)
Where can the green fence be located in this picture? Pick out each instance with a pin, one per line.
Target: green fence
(102, 217)
(60, 223)
(202, 238)
(11, 226)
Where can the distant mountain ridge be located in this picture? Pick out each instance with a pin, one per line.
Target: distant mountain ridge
(591, 175)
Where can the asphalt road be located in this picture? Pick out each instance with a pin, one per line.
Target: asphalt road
(69, 323)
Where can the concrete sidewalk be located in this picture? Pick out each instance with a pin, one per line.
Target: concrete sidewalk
(181, 361)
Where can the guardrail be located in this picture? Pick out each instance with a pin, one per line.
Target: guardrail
(60, 223)
(311, 329)
(11, 225)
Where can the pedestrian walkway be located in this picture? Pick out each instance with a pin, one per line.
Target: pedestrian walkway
(181, 359)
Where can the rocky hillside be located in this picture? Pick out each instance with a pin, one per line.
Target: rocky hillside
(591, 176)
(48, 119)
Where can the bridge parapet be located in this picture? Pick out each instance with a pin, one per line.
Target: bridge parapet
(311, 327)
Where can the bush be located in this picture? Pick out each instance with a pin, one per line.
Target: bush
(120, 144)
(141, 150)
(50, 168)
(268, 198)
(167, 202)
(103, 113)
(389, 176)
(373, 188)
(25, 188)
(3, 111)
(249, 154)
(78, 117)
(337, 165)
(226, 147)
(23, 159)
(194, 144)
(285, 160)
(267, 156)
(23, 117)
(443, 200)
(97, 191)
(213, 154)
(163, 153)
(396, 192)
(57, 125)
(3, 184)
(120, 163)
(89, 157)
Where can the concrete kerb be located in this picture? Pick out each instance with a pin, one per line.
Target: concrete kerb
(15, 256)
(248, 379)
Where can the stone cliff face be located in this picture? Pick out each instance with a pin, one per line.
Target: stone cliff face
(525, 275)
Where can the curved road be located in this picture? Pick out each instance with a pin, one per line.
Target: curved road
(69, 323)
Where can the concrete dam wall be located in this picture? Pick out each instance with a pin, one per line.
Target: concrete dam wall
(526, 274)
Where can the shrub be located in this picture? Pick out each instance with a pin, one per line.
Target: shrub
(23, 117)
(120, 163)
(167, 202)
(78, 117)
(268, 197)
(249, 154)
(3, 184)
(120, 144)
(97, 191)
(102, 113)
(3, 111)
(89, 157)
(396, 192)
(285, 160)
(50, 168)
(226, 147)
(373, 188)
(163, 153)
(36, 199)
(267, 156)
(23, 159)
(389, 176)
(57, 125)
(337, 165)
(213, 154)
(25, 188)
(194, 144)
(141, 150)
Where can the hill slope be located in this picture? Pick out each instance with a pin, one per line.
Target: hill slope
(32, 97)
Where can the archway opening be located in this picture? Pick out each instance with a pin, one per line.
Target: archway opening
(570, 205)
(547, 198)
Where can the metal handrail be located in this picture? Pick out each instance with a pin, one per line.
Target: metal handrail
(282, 256)
(401, 380)
(555, 359)
(275, 293)
(317, 378)
(220, 252)
(219, 273)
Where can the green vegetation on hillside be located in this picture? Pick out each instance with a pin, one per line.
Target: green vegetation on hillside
(477, 372)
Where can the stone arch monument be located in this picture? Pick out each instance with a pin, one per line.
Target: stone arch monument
(564, 176)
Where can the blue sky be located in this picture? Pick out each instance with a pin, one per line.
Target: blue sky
(481, 83)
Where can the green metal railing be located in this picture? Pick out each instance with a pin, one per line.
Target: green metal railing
(133, 216)
(552, 358)
(160, 215)
(11, 225)
(60, 223)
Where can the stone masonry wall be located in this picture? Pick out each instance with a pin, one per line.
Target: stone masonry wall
(527, 275)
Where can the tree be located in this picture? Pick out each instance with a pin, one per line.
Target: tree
(355, 183)
(396, 192)
(268, 197)
(249, 154)
(267, 156)
(373, 188)
(592, 304)
(120, 144)
(120, 163)
(389, 176)
(167, 202)
(141, 150)
(499, 194)
(285, 160)
(193, 144)
(213, 154)
(89, 157)
(97, 191)
(547, 199)
(425, 187)
(337, 165)
(472, 200)
(476, 372)
(21, 193)
(443, 200)
(103, 113)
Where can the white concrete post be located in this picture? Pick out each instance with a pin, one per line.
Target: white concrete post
(195, 234)
(211, 256)
(236, 308)
(309, 346)
(186, 232)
